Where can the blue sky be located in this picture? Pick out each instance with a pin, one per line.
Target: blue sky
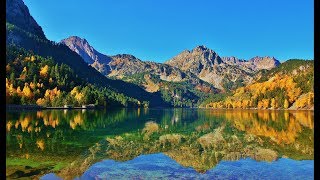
(157, 30)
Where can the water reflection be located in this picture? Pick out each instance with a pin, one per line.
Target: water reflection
(69, 141)
(160, 166)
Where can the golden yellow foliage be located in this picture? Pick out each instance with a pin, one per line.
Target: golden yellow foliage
(41, 102)
(305, 100)
(274, 103)
(40, 144)
(44, 71)
(9, 125)
(32, 85)
(74, 91)
(51, 94)
(33, 58)
(19, 90)
(286, 104)
(79, 96)
(27, 92)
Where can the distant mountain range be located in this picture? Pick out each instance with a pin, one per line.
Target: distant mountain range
(201, 63)
(186, 80)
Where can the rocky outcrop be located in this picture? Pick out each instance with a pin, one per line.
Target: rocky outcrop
(266, 62)
(17, 13)
(195, 61)
(254, 64)
(88, 53)
(208, 66)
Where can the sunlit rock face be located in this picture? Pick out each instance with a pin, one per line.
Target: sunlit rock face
(207, 65)
(131, 69)
(254, 64)
(88, 53)
(201, 63)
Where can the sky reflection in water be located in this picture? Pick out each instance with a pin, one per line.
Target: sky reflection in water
(160, 166)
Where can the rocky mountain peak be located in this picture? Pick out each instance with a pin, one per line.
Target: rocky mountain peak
(125, 56)
(201, 48)
(76, 41)
(17, 13)
(82, 47)
(199, 57)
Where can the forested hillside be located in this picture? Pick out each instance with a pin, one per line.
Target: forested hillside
(288, 86)
(33, 79)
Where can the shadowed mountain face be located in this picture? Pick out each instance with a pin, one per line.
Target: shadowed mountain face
(17, 13)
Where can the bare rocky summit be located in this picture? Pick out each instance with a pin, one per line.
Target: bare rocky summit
(208, 66)
(266, 62)
(88, 53)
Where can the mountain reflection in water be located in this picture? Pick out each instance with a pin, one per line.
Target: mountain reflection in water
(69, 142)
(160, 166)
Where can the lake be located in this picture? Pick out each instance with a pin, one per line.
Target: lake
(160, 143)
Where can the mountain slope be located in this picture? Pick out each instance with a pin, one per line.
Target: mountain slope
(88, 53)
(17, 13)
(120, 65)
(191, 75)
(290, 85)
(208, 66)
(177, 87)
(35, 41)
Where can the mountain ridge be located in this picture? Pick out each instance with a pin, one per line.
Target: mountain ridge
(200, 61)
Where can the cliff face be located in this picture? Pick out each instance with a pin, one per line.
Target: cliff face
(17, 13)
(196, 60)
(88, 53)
(266, 62)
(208, 66)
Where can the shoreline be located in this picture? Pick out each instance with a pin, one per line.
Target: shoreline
(36, 107)
(257, 109)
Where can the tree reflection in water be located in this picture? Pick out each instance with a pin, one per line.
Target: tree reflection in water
(69, 142)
